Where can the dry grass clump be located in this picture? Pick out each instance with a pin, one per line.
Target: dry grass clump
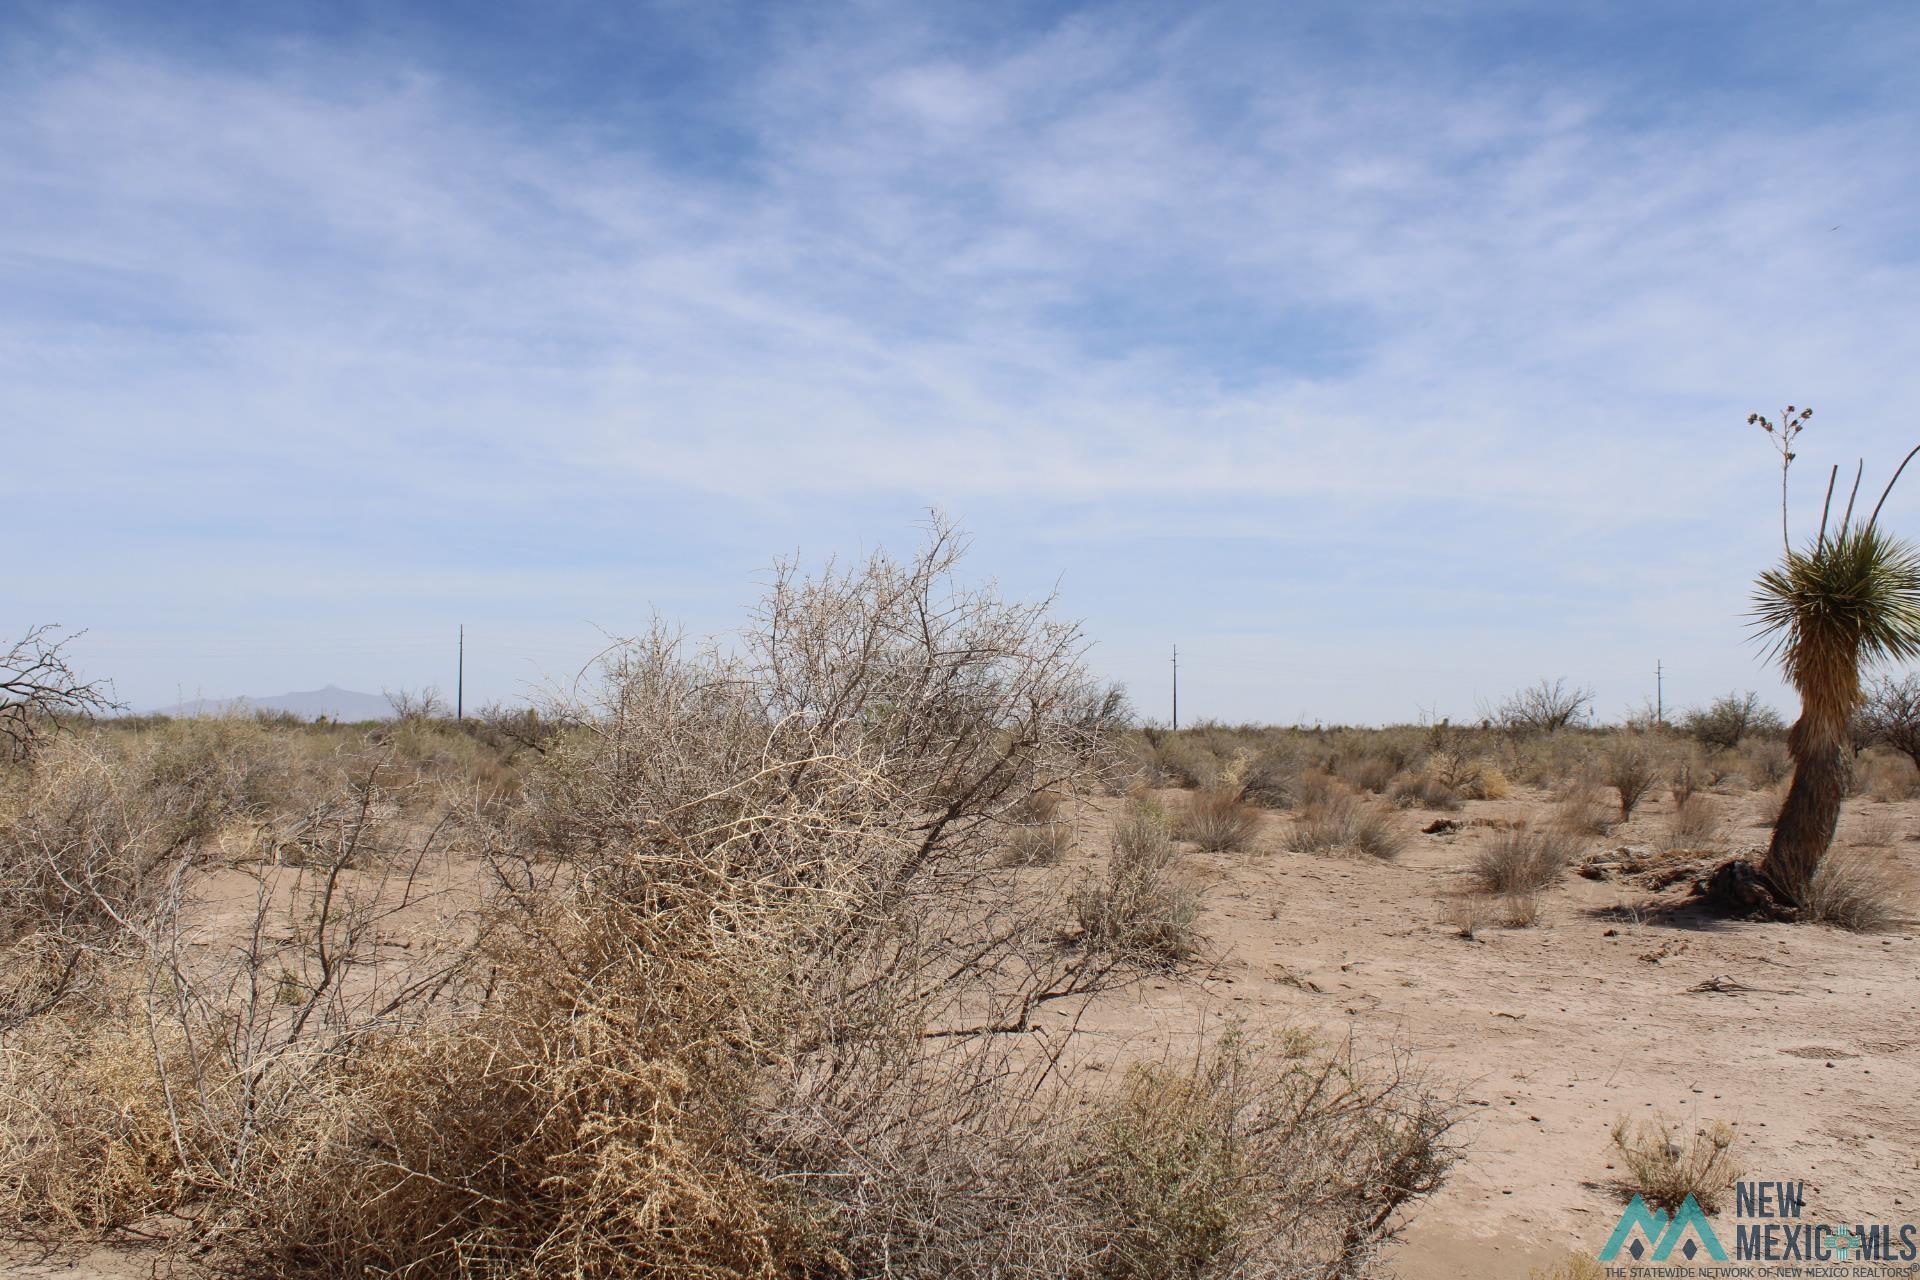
(1426, 790)
(1449, 773)
(1667, 1163)
(1686, 777)
(1887, 777)
(1582, 809)
(1317, 787)
(1266, 774)
(1765, 762)
(1766, 810)
(1694, 823)
(1250, 763)
(1547, 760)
(1040, 837)
(1185, 762)
(1575, 1266)
(1141, 801)
(1468, 913)
(1144, 908)
(1520, 910)
(1521, 861)
(1631, 770)
(1489, 784)
(1372, 773)
(1230, 1167)
(1860, 889)
(1217, 819)
(1039, 846)
(1346, 824)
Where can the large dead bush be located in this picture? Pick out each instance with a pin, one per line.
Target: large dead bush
(754, 995)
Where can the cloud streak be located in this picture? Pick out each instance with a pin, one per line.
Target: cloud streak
(1473, 332)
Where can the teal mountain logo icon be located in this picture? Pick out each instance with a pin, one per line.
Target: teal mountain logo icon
(1642, 1229)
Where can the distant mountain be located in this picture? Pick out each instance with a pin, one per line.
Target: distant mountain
(332, 702)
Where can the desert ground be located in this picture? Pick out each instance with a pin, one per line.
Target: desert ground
(1618, 1000)
(1544, 1017)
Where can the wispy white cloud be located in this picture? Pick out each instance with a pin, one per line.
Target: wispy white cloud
(1105, 280)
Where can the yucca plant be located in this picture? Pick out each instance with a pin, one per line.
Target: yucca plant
(1850, 599)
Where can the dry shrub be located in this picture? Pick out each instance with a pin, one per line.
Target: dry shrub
(1522, 862)
(1887, 777)
(1445, 788)
(751, 997)
(470, 752)
(1039, 846)
(1186, 762)
(1766, 761)
(206, 772)
(83, 853)
(1729, 719)
(1767, 810)
(1217, 819)
(1631, 772)
(1520, 910)
(1547, 760)
(1722, 769)
(1349, 825)
(1667, 1163)
(1266, 775)
(1468, 913)
(1316, 787)
(1142, 802)
(99, 831)
(1040, 837)
(1547, 707)
(1861, 889)
(1694, 823)
(1492, 784)
(1367, 773)
(87, 1143)
(191, 1063)
(1582, 809)
(1144, 908)
(1426, 790)
(1449, 773)
(1255, 1160)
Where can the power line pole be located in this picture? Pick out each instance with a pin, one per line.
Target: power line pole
(1659, 693)
(1176, 688)
(460, 678)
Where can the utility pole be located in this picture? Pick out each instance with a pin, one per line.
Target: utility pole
(1659, 693)
(1176, 688)
(460, 678)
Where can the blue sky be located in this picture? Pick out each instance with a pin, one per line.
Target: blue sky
(1384, 357)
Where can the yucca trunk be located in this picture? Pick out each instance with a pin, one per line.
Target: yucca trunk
(1804, 830)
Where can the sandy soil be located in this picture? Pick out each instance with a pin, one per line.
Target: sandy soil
(1548, 1033)
(1552, 1032)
